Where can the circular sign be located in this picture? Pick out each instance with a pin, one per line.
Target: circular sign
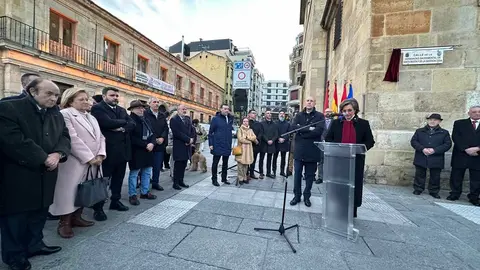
(246, 65)
(241, 75)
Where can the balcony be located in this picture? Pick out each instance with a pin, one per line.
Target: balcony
(18, 33)
(294, 96)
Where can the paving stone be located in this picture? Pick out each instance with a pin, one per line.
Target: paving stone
(222, 249)
(365, 262)
(147, 238)
(414, 254)
(421, 220)
(376, 230)
(186, 197)
(150, 260)
(93, 254)
(211, 220)
(230, 209)
(248, 225)
(318, 237)
(291, 217)
(280, 256)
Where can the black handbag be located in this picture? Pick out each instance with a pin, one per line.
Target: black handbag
(93, 190)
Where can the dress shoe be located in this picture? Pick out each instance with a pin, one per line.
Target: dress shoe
(184, 185)
(177, 187)
(452, 198)
(148, 196)
(289, 173)
(249, 178)
(319, 181)
(475, 202)
(307, 202)
(20, 265)
(133, 200)
(435, 195)
(261, 176)
(294, 201)
(283, 174)
(117, 205)
(215, 183)
(157, 186)
(226, 182)
(64, 228)
(46, 250)
(246, 181)
(99, 215)
(253, 176)
(416, 192)
(78, 221)
(269, 175)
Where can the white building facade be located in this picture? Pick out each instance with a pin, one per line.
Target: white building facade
(275, 97)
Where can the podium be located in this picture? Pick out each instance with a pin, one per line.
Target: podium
(339, 181)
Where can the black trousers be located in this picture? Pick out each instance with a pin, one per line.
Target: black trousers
(179, 171)
(283, 156)
(456, 182)
(116, 172)
(310, 169)
(216, 160)
(420, 179)
(269, 162)
(252, 166)
(22, 233)
(166, 160)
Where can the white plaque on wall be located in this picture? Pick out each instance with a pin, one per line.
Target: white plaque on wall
(423, 57)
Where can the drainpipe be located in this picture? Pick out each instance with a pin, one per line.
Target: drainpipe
(34, 11)
(327, 57)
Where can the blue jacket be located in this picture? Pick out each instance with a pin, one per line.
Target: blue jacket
(220, 135)
(305, 149)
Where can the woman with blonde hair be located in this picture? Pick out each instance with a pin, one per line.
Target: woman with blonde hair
(88, 151)
(245, 137)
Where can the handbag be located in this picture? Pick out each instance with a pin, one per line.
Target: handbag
(93, 190)
(237, 150)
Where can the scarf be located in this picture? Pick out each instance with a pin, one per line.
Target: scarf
(348, 132)
(146, 130)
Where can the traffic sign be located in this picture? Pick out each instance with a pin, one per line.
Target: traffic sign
(246, 65)
(241, 75)
(238, 65)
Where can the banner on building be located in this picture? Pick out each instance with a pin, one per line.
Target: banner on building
(242, 75)
(144, 78)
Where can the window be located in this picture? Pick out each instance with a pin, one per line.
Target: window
(300, 52)
(201, 118)
(210, 99)
(269, 91)
(338, 27)
(216, 102)
(178, 83)
(284, 85)
(142, 63)
(110, 51)
(269, 84)
(269, 96)
(284, 97)
(268, 103)
(209, 119)
(299, 67)
(163, 74)
(202, 94)
(192, 91)
(285, 91)
(61, 29)
(191, 115)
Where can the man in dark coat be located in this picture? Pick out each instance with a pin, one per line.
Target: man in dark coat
(430, 144)
(220, 142)
(159, 124)
(328, 121)
(267, 144)
(183, 140)
(282, 144)
(33, 140)
(466, 155)
(257, 130)
(306, 154)
(25, 80)
(116, 126)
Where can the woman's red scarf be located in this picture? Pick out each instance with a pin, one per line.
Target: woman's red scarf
(348, 132)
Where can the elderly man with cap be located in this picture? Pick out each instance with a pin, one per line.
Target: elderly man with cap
(430, 143)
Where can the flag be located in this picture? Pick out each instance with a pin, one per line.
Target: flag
(344, 94)
(325, 103)
(350, 91)
(334, 106)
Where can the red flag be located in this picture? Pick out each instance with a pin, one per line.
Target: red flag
(344, 94)
(325, 102)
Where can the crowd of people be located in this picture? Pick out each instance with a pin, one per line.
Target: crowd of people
(51, 143)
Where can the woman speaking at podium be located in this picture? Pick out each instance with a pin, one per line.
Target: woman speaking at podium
(349, 128)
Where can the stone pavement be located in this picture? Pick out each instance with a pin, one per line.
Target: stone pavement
(207, 227)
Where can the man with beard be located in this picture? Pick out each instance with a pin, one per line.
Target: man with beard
(257, 130)
(158, 121)
(116, 126)
(267, 145)
(33, 141)
(282, 144)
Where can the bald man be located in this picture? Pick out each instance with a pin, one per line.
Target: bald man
(306, 155)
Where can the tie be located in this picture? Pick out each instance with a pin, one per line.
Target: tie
(474, 124)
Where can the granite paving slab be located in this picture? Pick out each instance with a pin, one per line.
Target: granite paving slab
(150, 260)
(364, 262)
(319, 238)
(248, 225)
(291, 217)
(222, 249)
(211, 220)
(230, 209)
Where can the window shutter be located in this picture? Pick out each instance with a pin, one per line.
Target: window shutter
(338, 27)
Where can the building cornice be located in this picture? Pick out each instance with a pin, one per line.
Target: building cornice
(90, 5)
(329, 13)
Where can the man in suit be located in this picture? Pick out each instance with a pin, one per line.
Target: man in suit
(183, 140)
(116, 126)
(282, 144)
(33, 141)
(257, 130)
(160, 128)
(25, 80)
(466, 155)
(267, 144)
(328, 120)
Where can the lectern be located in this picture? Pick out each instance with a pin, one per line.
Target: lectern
(339, 181)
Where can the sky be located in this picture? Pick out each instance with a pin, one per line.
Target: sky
(267, 27)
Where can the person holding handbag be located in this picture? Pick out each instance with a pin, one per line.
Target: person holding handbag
(244, 151)
(88, 150)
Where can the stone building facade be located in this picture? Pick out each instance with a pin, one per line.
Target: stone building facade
(77, 43)
(360, 51)
(294, 88)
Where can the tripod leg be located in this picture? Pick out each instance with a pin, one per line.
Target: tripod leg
(291, 227)
(290, 244)
(264, 229)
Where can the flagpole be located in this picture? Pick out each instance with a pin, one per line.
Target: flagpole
(183, 44)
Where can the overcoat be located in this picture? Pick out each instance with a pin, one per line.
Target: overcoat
(141, 158)
(364, 136)
(283, 127)
(27, 136)
(464, 136)
(269, 132)
(87, 142)
(220, 134)
(160, 128)
(182, 133)
(305, 149)
(246, 138)
(438, 139)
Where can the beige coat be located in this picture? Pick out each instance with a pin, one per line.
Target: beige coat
(245, 138)
(87, 142)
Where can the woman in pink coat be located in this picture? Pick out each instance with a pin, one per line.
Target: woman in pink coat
(88, 149)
